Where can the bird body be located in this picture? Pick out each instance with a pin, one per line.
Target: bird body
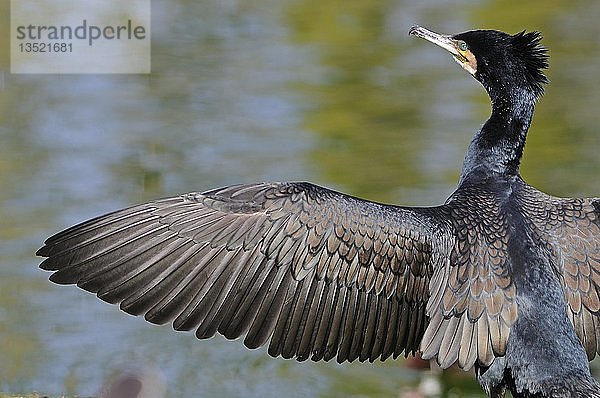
(535, 348)
(502, 277)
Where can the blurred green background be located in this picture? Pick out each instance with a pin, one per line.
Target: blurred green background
(333, 92)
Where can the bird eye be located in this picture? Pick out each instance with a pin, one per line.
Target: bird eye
(462, 46)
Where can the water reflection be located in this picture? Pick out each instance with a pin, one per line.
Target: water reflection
(330, 92)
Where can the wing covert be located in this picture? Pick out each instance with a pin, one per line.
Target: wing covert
(474, 305)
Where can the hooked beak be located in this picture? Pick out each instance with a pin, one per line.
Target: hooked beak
(444, 41)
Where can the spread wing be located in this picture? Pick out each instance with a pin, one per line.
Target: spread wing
(318, 273)
(572, 228)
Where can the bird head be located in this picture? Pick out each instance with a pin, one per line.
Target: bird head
(499, 61)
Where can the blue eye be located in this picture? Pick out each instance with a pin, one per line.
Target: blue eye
(462, 46)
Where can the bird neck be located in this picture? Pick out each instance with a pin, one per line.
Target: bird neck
(496, 149)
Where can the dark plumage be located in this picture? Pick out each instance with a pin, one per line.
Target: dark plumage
(501, 277)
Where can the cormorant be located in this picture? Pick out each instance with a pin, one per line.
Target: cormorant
(501, 277)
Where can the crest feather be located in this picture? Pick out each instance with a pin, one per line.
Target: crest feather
(534, 56)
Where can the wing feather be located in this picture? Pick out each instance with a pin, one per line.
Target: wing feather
(475, 286)
(571, 226)
(319, 274)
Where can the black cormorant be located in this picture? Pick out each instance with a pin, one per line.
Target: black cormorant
(501, 277)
